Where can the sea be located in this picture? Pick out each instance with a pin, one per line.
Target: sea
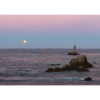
(28, 67)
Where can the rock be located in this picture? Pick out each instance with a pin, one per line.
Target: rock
(50, 70)
(88, 79)
(81, 68)
(74, 52)
(80, 61)
(78, 64)
(67, 67)
(57, 69)
(53, 64)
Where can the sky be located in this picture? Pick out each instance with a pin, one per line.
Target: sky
(50, 31)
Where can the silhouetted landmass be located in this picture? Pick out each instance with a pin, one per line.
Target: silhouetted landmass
(78, 64)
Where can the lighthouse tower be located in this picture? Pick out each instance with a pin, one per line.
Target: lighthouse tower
(74, 49)
(74, 52)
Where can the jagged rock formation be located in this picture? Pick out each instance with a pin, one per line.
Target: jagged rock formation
(80, 61)
(79, 64)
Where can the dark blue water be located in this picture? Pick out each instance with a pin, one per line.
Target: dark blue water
(27, 67)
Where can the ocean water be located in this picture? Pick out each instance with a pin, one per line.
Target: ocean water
(27, 67)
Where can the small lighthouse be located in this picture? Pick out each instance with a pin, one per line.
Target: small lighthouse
(74, 49)
(74, 52)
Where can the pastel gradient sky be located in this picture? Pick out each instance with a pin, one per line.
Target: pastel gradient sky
(50, 31)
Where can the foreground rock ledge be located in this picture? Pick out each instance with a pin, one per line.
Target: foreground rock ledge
(78, 64)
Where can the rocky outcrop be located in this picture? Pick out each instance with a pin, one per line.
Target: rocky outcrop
(74, 52)
(78, 64)
(88, 79)
(80, 61)
(53, 64)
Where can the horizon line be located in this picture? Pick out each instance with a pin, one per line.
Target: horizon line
(49, 48)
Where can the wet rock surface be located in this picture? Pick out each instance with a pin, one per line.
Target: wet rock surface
(80, 64)
(88, 79)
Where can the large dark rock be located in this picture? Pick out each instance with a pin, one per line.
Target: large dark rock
(79, 64)
(80, 61)
(88, 79)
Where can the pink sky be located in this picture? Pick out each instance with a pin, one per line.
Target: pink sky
(49, 22)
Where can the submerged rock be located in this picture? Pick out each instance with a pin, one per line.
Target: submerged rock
(88, 79)
(78, 64)
(74, 52)
(53, 64)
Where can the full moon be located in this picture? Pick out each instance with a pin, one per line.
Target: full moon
(25, 41)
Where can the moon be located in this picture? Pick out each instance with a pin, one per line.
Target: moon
(25, 41)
